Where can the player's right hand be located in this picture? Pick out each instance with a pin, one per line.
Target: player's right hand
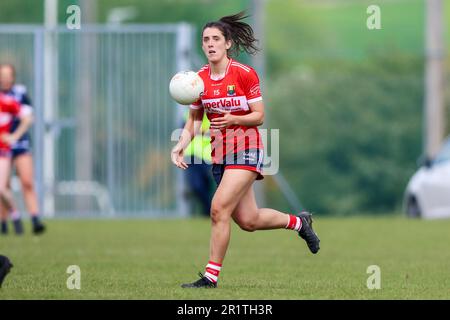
(8, 139)
(177, 156)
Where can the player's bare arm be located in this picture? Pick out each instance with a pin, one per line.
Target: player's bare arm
(25, 123)
(190, 130)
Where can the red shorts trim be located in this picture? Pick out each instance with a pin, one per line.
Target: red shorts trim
(249, 168)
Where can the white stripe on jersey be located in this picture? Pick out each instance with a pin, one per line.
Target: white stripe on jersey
(254, 100)
(240, 66)
(228, 67)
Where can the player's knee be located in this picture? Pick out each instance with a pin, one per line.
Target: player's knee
(247, 225)
(4, 194)
(27, 185)
(218, 212)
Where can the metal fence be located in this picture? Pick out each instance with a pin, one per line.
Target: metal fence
(103, 116)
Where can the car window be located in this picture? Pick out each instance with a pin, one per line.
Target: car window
(444, 154)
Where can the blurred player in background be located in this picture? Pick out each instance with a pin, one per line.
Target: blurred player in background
(9, 108)
(198, 175)
(21, 155)
(234, 105)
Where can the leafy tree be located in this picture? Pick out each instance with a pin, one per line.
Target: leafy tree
(350, 132)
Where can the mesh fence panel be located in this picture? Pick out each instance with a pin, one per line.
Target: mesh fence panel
(112, 117)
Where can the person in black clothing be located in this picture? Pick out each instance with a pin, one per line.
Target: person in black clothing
(5, 267)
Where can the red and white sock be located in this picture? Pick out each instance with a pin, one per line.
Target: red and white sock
(212, 271)
(295, 223)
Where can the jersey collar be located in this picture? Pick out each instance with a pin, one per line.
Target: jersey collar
(226, 71)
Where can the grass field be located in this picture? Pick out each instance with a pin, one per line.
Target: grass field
(148, 259)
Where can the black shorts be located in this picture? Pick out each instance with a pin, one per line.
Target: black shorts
(21, 147)
(251, 160)
(19, 151)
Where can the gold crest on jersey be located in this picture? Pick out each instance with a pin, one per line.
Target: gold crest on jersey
(231, 90)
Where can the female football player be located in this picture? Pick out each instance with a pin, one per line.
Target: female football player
(235, 108)
(9, 108)
(22, 159)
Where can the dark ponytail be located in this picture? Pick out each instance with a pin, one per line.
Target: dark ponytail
(240, 33)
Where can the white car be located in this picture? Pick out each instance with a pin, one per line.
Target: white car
(428, 192)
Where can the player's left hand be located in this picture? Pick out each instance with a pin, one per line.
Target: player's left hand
(8, 138)
(226, 120)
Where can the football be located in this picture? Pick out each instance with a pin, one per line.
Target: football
(186, 87)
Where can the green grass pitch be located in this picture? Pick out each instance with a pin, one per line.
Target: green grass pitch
(149, 259)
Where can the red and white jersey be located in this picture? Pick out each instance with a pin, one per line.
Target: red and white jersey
(239, 87)
(9, 108)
